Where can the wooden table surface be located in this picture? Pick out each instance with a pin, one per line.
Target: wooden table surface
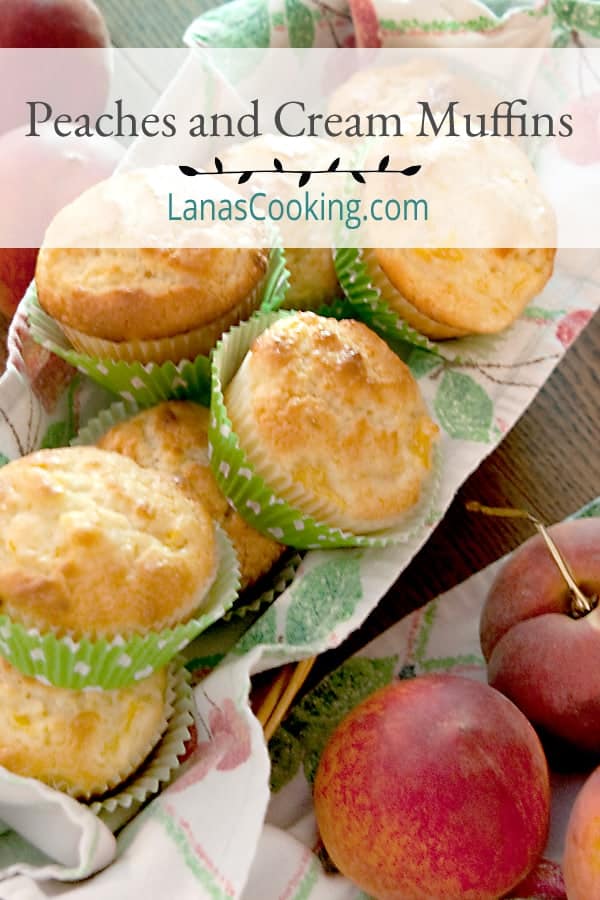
(549, 463)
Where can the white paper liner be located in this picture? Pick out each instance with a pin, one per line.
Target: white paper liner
(188, 345)
(160, 766)
(396, 300)
(256, 501)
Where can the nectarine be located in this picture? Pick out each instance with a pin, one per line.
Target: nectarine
(52, 23)
(37, 178)
(434, 787)
(17, 268)
(581, 860)
(73, 82)
(541, 652)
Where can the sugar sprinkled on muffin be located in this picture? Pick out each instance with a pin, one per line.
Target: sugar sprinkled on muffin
(125, 283)
(333, 421)
(93, 545)
(173, 438)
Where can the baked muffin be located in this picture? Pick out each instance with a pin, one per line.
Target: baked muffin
(449, 292)
(313, 281)
(81, 742)
(138, 300)
(333, 421)
(451, 275)
(173, 437)
(92, 545)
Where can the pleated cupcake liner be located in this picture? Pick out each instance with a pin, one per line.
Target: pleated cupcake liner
(250, 601)
(368, 305)
(107, 664)
(133, 764)
(363, 297)
(256, 501)
(189, 345)
(159, 768)
(96, 428)
(146, 383)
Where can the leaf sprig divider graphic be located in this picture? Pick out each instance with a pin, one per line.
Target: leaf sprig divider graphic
(304, 174)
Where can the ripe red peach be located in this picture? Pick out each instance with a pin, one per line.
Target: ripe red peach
(37, 178)
(78, 82)
(435, 786)
(17, 268)
(581, 860)
(544, 882)
(52, 23)
(538, 654)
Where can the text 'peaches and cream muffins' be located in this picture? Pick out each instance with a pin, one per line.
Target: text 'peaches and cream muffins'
(319, 434)
(81, 742)
(106, 568)
(313, 280)
(125, 282)
(173, 438)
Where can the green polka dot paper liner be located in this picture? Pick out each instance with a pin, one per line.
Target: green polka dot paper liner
(367, 305)
(97, 427)
(251, 602)
(146, 383)
(253, 498)
(159, 769)
(107, 664)
(134, 382)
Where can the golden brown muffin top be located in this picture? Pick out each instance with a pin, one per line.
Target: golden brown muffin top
(124, 293)
(173, 438)
(327, 406)
(477, 290)
(93, 545)
(81, 742)
(313, 279)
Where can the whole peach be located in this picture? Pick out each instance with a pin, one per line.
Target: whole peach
(538, 654)
(434, 787)
(17, 268)
(74, 82)
(38, 176)
(52, 23)
(581, 860)
(544, 882)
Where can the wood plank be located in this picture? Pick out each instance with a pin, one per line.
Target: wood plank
(150, 23)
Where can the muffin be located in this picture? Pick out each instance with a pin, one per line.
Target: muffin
(333, 421)
(173, 438)
(81, 742)
(449, 275)
(92, 545)
(449, 292)
(126, 283)
(313, 281)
